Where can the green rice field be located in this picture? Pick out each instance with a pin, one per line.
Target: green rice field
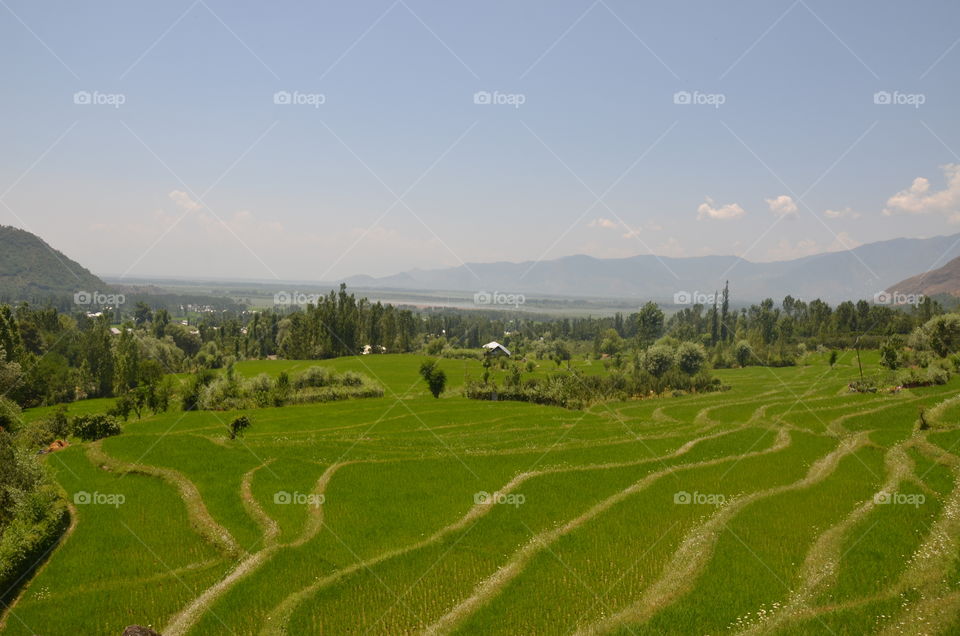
(784, 505)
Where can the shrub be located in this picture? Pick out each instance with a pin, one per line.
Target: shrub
(351, 378)
(239, 425)
(313, 377)
(191, 398)
(743, 352)
(93, 427)
(690, 357)
(435, 377)
(658, 360)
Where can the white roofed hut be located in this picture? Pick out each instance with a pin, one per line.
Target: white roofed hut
(495, 349)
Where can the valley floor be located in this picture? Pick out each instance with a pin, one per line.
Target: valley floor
(786, 505)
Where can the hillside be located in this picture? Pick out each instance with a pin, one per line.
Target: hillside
(833, 276)
(30, 269)
(943, 280)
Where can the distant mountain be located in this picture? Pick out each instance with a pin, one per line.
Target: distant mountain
(944, 280)
(32, 270)
(834, 276)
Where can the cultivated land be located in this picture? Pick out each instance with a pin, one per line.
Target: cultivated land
(753, 510)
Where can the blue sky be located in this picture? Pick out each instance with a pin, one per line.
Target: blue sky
(199, 172)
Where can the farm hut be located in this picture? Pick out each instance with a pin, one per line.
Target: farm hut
(495, 349)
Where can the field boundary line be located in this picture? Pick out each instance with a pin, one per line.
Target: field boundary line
(201, 519)
(280, 616)
(491, 586)
(819, 570)
(696, 550)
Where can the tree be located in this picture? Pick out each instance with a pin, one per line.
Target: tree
(690, 357)
(435, 377)
(658, 360)
(743, 352)
(239, 425)
(649, 324)
(890, 352)
(90, 428)
(610, 342)
(833, 357)
(142, 314)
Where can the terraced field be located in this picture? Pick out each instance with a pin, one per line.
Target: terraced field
(785, 505)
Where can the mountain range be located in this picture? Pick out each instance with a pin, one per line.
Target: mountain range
(943, 280)
(859, 273)
(31, 269)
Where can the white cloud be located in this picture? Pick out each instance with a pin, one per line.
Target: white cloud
(601, 222)
(722, 213)
(782, 205)
(183, 200)
(844, 213)
(919, 199)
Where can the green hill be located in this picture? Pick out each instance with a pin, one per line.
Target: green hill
(30, 269)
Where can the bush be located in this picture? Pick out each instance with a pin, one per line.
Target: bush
(239, 425)
(435, 377)
(743, 352)
(93, 427)
(191, 398)
(690, 357)
(314, 377)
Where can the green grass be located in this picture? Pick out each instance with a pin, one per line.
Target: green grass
(403, 542)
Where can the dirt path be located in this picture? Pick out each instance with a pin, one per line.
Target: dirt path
(494, 584)
(819, 570)
(280, 615)
(688, 562)
(929, 568)
(201, 520)
(183, 621)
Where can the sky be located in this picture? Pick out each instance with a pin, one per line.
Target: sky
(317, 140)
